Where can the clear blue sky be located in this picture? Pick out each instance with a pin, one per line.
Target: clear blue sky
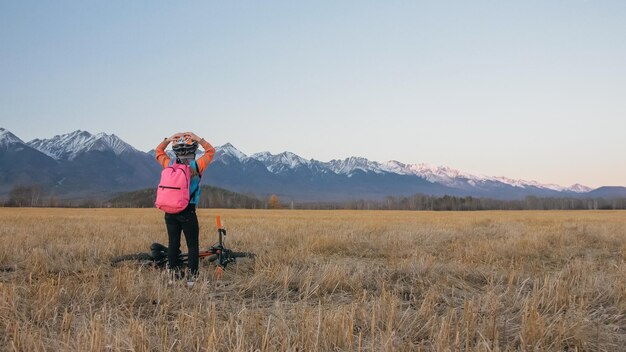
(525, 89)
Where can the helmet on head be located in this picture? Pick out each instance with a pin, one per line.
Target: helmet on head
(185, 148)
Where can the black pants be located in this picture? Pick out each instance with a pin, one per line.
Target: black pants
(187, 222)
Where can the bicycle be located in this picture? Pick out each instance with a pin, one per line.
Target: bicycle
(217, 253)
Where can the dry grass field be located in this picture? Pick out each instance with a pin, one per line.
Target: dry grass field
(323, 281)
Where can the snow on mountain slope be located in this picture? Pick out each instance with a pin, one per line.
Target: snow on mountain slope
(62, 146)
(68, 146)
(7, 138)
(278, 163)
(114, 143)
(230, 150)
(395, 167)
(524, 184)
(349, 165)
(460, 179)
(578, 188)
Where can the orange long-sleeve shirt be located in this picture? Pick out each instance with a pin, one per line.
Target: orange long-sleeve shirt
(202, 162)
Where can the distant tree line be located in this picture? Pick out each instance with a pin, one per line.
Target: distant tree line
(451, 203)
(210, 197)
(29, 195)
(213, 197)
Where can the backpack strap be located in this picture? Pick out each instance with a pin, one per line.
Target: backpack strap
(193, 194)
(197, 168)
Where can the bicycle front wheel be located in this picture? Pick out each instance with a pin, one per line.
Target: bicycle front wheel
(241, 255)
(230, 257)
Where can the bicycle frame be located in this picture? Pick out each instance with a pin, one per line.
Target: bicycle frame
(216, 252)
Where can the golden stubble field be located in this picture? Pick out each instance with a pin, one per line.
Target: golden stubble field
(323, 281)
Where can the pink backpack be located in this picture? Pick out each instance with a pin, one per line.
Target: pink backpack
(173, 191)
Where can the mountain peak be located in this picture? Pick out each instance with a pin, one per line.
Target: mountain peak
(350, 164)
(261, 156)
(68, 146)
(279, 163)
(81, 133)
(114, 143)
(229, 149)
(293, 159)
(578, 188)
(395, 166)
(6, 138)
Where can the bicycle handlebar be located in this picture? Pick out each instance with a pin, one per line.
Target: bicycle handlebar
(218, 221)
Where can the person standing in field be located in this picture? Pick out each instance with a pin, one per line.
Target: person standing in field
(185, 146)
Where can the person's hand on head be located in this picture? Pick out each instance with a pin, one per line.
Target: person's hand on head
(192, 136)
(175, 137)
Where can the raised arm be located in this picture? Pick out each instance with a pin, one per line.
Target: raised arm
(161, 156)
(209, 152)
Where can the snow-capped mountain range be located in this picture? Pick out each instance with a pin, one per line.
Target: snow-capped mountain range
(109, 164)
(68, 146)
(285, 161)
